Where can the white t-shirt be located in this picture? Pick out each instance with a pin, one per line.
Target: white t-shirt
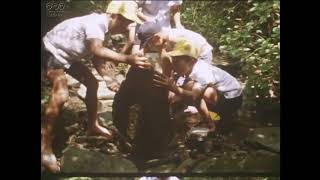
(158, 11)
(191, 36)
(204, 74)
(67, 41)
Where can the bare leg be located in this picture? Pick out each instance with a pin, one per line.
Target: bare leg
(210, 96)
(84, 75)
(59, 96)
(204, 109)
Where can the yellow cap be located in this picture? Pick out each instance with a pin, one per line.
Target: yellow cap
(185, 47)
(127, 9)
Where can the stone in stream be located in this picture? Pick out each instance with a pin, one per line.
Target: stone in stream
(120, 78)
(165, 168)
(95, 178)
(72, 82)
(185, 166)
(105, 106)
(105, 118)
(103, 91)
(254, 162)
(265, 138)
(80, 160)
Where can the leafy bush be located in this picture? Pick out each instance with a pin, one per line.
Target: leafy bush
(247, 32)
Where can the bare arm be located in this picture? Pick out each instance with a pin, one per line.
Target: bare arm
(192, 90)
(176, 16)
(97, 48)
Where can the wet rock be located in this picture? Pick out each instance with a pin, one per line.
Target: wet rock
(80, 160)
(92, 139)
(165, 168)
(75, 104)
(211, 178)
(185, 166)
(207, 146)
(157, 178)
(265, 138)
(72, 82)
(105, 118)
(95, 178)
(105, 106)
(72, 128)
(240, 162)
(205, 165)
(263, 153)
(120, 78)
(198, 133)
(103, 91)
(264, 161)
(177, 140)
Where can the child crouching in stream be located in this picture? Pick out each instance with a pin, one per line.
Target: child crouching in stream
(209, 88)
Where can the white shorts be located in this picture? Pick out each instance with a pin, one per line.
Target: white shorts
(55, 59)
(53, 63)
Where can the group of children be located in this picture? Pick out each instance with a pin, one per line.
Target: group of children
(185, 58)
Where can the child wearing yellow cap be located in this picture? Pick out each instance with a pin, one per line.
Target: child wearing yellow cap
(210, 88)
(153, 37)
(105, 69)
(65, 45)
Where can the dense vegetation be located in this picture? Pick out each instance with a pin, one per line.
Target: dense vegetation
(246, 33)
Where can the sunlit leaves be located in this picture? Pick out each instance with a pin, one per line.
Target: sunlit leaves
(245, 31)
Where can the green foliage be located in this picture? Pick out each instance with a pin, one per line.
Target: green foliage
(80, 8)
(247, 32)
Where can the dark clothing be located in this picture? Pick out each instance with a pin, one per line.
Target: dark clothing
(155, 126)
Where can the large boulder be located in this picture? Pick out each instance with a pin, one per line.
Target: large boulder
(105, 118)
(265, 138)
(164, 168)
(85, 161)
(72, 82)
(105, 105)
(103, 91)
(240, 162)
